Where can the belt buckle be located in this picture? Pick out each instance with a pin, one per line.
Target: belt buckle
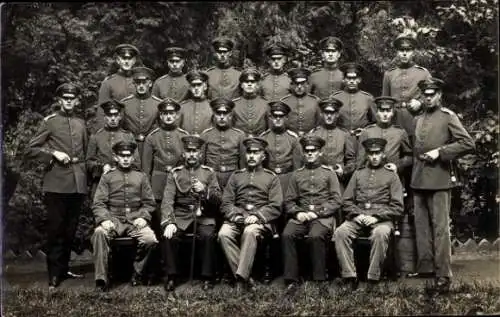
(249, 207)
(368, 205)
(140, 137)
(301, 133)
(311, 207)
(278, 170)
(127, 209)
(75, 160)
(168, 168)
(222, 168)
(191, 207)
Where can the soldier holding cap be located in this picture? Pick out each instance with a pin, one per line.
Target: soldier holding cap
(251, 201)
(276, 83)
(358, 110)
(99, 156)
(223, 77)
(328, 79)
(250, 111)
(122, 206)
(223, 150)
(340, 148)
(305, 111)
(439, 138)
(312, 199)
(195, 113)
(120, 84)
(141, 108)
(373, 199)
(61, 142)
(174, 84)
(401, 82)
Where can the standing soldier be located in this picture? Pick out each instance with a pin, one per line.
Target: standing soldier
(191, 195)
(439, 138)
(373, 200)
(340, 148)
(223, 150)
(401, 82)
(195, 113)
(100, 157)
(304, 113)
(122, 206)
(223, 78)
(120, 84)
(250, 111)
(358, 108)
(312, 199)
(61, 141)
(251, 201)
(141, 108)
(328, 79)
(174, 84)
(276, 84)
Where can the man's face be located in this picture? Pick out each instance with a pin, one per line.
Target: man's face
(112, 120)
(432, 98)
(223, 57)
(299, 88)
(352, 82)
(405, 54)
(176, 65)
(124, 160)
(330, 117)
(330, 56)
(142, 86)
(192, 156)
(277, 62)
(126, 63)
(168, 117)
(222, 119)
(312, 154)
(384, 115)
(254, 157)
(68, 102)
(375, 158)
(198, 89)
(250, 86)
(278, 120)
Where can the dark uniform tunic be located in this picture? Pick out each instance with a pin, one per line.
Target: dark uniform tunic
(171, 86)
(250, 115)
(325, 82)
(275, 86)
(223, 82)
(195, 116)
(358, 110)
(304, 114)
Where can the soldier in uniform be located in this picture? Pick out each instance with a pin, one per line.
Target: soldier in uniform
(174, 84)
(195, 113)
(191, 195)
(61, 142)
(340, 148)
(276, 83)
(251, 201)
(100, 157)
(328, 79)
(358, 109)
(373, 199)
(223, 78)
(120, 84)
(305, 111)
(250, 110)
(311, 201)
(141, 108)
(401, 82)
(122, 206)
(439, 138)
(223, 150)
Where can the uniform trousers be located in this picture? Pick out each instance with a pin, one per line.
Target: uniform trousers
(432, 231)
(101, 244)
(379, 238)
(63, 212)
(318, 235)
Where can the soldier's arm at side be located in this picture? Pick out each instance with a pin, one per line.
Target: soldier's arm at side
(148, 202)
(228, 207)
(386, 85)
(101, 199)
(155, 91)
(461, 144)
(349, 207)
(147, 156)
(37, 148)
(406, 154)
(214, 193)
(292, 196)
(350, 162)
(272, 210)
(396, 206)
(104, 95)
(167, 203)
(242, 162)
(94, 166)
(297, 155)
(332, 205)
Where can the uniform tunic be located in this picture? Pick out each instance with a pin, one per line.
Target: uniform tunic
(358, 110)
(171, 86)
(140, 115)
(325, 82)
(275, 86)
(223, 82)
(250, 115)
(304, 114)
(195, 116)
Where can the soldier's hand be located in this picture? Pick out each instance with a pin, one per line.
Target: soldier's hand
(108, 225)
(302, 217)
(251, 219)
(106, 168)
(391, 166)
(61, 157)
(140, 223)
(338, 169)
(311, 215)
(370, 220)
(414, 105)
(359, 219)
(198, 186)
(357, 132)
(239, 219)
(432, 155)
(170, 230)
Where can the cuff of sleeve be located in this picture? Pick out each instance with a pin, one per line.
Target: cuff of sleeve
(261, 217)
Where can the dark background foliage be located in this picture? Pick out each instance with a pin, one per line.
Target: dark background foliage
(44, 45)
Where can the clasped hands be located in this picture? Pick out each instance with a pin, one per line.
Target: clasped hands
(246, 221)
(366, 220)
(430, 156)
(139, 223)
(303, 216)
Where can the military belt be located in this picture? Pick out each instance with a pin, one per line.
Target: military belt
(140, 138)
(369, 205)
(226, 168)
(281, 169)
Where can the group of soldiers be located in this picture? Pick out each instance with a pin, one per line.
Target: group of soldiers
(234, 155)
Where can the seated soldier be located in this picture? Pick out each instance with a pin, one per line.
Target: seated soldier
(373, 199)
(190, 200)
(123, 203)
(312, 199)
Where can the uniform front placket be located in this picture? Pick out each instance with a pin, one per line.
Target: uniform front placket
(222, 140)
(275, 86)
(125, 193)
(311, 186)
(141, 120)
(300, 114)
(251, 115)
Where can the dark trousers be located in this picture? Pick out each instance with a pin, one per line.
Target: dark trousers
(63, 212)
(204, 245)
(316, 242)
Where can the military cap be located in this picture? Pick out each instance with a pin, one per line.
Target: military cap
(312, 141)
(67, 89)
(330, 105)
(196, 75)
(255, 143)
(276, 50)
(331, 42)
(192, 142)
(279, 108)
(352, 69)
(126, 50)
(405, 41)
(221, 104)
(374, 144)
(175, 52)
(222, 44)
(142, 73)
(299, 74)
(250, 74)
(168, 105)
(111, 107)
(124, 147)
(385, 102)
(430, 85)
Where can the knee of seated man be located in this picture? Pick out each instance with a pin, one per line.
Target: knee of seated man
(380, 233)
(100, 231)
(341, 233)
(148, 237)
(251, 231)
